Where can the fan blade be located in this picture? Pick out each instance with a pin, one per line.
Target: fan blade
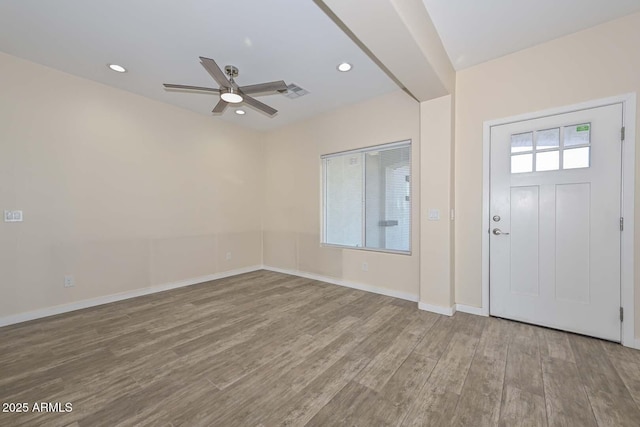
(279, 86)
(184, 87)
(259, 105)
(215, 71)
(220, 106)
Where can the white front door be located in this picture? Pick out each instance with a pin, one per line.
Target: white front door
(554, 221)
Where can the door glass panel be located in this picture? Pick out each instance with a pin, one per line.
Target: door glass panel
(577, 135)
(545, 145)
(522, 163)
(576, 158)
(548, 161)
(549, 138)
(522, 142)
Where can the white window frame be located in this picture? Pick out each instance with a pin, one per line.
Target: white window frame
(323, 221)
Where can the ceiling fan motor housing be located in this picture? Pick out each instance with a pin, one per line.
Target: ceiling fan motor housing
(231, 71)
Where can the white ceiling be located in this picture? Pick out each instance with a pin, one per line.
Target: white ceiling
(293, 40)
(474, 31)
(160, 42)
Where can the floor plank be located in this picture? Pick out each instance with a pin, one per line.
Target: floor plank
(595, 368)
(481, 396)
(388, 360)
(611, 410)
(524, 372)
(523, 409)
(629, 372)
(565, 398)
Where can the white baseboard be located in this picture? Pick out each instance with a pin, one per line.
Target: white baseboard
(471, 310)
(450, 311)
(447, 311)
(78, 305)
(346, 283)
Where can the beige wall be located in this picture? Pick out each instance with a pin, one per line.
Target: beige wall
(293, 185)
(600, 62)
(120, 191)
(124, 192)
(436, 158)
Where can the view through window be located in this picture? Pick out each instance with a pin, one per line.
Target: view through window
(367, 198)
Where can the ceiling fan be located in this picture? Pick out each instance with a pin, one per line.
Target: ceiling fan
(230, 92)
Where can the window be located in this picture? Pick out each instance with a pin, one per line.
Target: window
(541, 151)
(367, 198)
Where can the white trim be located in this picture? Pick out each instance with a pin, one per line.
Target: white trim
(446, 311)
(346, 283)
(78, 305)
(628, 212)
(408, 143)
(486, 185)
(478, 311)
(363, 248)
(380, 147)
(637, 344)
(628, 192)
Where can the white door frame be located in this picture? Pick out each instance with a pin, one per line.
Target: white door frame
(628, 187)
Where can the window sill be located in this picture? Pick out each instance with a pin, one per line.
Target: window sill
(357, 248)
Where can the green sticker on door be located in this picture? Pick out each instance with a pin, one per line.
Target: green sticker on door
(582, 128)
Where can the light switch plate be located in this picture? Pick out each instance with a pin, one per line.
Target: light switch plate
(12, 216)
(434, 215)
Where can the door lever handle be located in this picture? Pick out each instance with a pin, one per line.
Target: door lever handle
(498, 232)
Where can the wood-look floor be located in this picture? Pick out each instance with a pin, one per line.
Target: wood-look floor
(267, 349)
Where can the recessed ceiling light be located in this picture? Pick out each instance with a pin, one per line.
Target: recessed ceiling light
(344, 67)
(241, 112)
(118, 68)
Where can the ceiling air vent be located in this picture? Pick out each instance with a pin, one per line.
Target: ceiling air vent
(295, 91)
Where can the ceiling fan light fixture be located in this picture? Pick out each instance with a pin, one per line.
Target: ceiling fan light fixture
(344, 67)
(117, 68)
(231, 96)
(230, 92)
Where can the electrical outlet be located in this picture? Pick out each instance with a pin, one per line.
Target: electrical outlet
(365, 266)
(228, 256)
(12, 216)
(69, 282)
